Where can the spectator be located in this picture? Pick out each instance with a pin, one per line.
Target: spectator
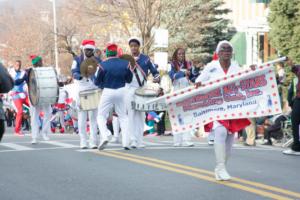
(295, 116)
(273, 129)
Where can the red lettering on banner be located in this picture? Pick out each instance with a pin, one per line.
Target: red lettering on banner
(201, 100)
(231, 93)
(255, 82)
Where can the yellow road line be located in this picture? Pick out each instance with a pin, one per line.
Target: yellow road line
(252, 183)
(195, 175)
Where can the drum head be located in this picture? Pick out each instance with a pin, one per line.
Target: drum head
(33, 88)
(146, 92)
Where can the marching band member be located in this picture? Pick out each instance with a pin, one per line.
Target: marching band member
(112, 75)
(223, 129)
(85, 83)
(36, 110)
(180, 76)
(19, 95)
(61, 105)
(140, 73)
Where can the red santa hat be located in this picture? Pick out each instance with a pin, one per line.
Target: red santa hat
(111, 49)
(35, 59)
(88, 44)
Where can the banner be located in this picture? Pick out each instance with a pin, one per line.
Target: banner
(247, 94)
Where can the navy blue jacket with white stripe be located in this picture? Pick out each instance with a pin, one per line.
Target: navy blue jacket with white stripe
(145, 63)
(113, 73)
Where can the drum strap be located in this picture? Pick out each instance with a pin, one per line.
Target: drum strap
(138, 78)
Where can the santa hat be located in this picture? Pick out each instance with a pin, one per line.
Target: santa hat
(88, 44)
(111, 50)
(35, 59)
(134, 39)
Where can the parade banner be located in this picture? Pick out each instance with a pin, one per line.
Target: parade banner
(247, 94)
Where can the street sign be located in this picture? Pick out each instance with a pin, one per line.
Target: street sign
(161, 38)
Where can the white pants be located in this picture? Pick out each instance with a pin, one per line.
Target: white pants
(113, 98)
(82, 122)
(182, 138)
(82, 85)
(116, 126)
(35, 112)
(136, 118)
(223, 137)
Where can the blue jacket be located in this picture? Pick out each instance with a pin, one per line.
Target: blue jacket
(145, 63)
(76, 67)
(174, 75)
(194, 73)
(113, 73)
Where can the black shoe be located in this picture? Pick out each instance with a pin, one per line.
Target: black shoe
(126, 148)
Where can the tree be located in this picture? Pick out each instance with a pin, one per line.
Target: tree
(126, 18)
(198, 25)
(284, 20)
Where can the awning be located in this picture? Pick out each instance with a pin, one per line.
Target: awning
(240, 47)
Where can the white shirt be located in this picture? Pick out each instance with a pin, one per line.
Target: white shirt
(213, 71)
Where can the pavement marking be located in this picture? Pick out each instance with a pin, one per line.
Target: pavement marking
(124, 156)
(60, 144)
(16, 147)
(252, 183)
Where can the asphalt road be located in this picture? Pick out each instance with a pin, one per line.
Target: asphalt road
(60, 170)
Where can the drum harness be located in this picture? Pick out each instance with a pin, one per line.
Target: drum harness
(138, 78)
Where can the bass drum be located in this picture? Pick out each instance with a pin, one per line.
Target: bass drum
(43, 86)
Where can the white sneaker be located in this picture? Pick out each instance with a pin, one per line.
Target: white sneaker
(93, 145)
(188, 144)
(46, 138)
(141, 146)
(221, 173)
(114, 140)
(177, 145)
(211, 142)
(83, 145)
(34, 141)
(103, 144)
(291, 152)
(133, 144)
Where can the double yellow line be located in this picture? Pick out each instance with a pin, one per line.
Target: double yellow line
(237, 183)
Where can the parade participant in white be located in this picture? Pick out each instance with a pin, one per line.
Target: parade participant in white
(112, 75)
(37, 109)
(223, 137)
(83, 84)
(180, 76)
(140, 73)
(61, 105)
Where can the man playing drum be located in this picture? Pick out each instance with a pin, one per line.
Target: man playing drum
(112, 75)
(140, 73)
(37, 109)
(84, 83)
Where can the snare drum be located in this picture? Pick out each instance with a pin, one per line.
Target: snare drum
(43, 86)
(89, 99)
(144, 94)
